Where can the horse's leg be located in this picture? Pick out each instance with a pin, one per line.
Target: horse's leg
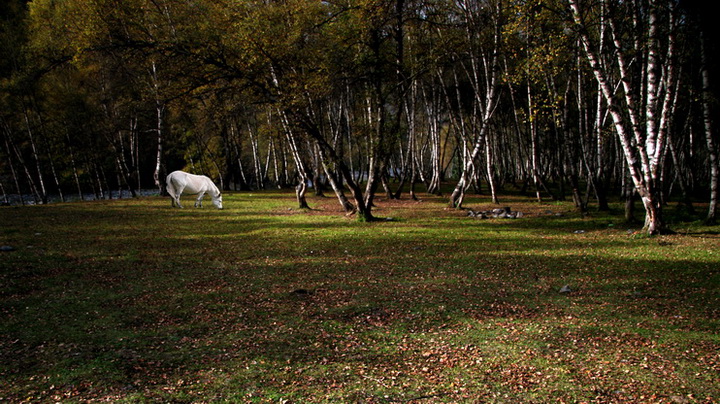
(178, 192)
(171, 192)
(198, 202)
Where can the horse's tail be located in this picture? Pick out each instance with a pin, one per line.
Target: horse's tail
(170, 186)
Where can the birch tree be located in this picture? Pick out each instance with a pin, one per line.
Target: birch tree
(645, 68)
(483, 70)
(708, 126)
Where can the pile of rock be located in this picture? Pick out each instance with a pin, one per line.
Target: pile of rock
(505, 213)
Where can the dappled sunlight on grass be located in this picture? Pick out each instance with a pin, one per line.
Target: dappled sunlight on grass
(131, 300)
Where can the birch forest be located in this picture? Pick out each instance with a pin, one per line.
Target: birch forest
(589, 100)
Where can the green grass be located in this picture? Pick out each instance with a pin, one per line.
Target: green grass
(132, 301)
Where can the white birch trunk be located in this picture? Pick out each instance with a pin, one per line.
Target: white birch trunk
(486, 101)
(160, 112)
(643, 137)
(709, 135)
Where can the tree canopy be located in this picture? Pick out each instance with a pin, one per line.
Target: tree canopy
(561, 97)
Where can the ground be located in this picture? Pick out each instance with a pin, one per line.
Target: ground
(132, 301)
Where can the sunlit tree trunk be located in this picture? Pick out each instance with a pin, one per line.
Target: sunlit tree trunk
(273, 149)
(257, 164)
(36, 157)
(159, 117)
(124, 174)
(431, 106)
(534, 146)
(410, 155)
(709, 132)
(483, 74)
(135, 152)
(13, 149)
(334, 183)
(642, 131)
(76, 176)
(301, 187)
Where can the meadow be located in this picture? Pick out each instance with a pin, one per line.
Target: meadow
(132, 301)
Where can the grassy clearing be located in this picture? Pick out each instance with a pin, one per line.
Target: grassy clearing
(131, 301)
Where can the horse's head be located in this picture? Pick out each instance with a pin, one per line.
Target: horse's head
(217, 201)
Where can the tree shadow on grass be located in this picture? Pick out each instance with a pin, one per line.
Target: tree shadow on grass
(161, 306)
(135, 327)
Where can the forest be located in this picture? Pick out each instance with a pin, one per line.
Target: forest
(592, 100)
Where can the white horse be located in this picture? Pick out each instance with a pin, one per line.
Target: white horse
(179, 182)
